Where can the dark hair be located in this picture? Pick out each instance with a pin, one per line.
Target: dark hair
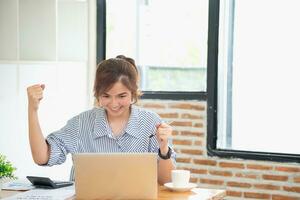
(117, 69)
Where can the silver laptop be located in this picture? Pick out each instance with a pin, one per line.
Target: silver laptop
(115, 175)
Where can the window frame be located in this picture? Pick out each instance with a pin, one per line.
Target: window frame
(101, 30)
(101, 52)
(201, 96)
(210, 95)
(212, 100)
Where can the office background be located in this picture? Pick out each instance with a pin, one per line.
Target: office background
(54, 42)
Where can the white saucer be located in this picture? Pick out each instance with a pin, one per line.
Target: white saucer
(180, 189)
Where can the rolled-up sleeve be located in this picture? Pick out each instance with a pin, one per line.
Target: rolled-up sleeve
(63, 141)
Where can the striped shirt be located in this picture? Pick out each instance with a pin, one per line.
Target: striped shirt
(90, 132)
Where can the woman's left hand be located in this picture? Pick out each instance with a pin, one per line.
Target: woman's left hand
(163, 133)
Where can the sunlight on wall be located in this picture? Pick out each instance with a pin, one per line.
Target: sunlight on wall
(64, 97)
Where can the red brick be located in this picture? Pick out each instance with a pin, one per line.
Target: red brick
(238, 184)
(242, 175)
(182, 142)
(175, 132)
(292, 189)
(267, 186)
(197, 107)
(205, 162)
(187, 106)
(192, 151)
(233, 193)
(274, 177)
(257, 195)
(186, 123)
(198, 125)
(288, 169)
(220, 173)
(193, 180)
(211, 181)
(198, 171)
(259, 167)
(231, 165)
(283, 197)
(154, 105)
(297, 179)
(168, 115)
(190, 116)
(198, 143)
(192, 133)
(183, 160)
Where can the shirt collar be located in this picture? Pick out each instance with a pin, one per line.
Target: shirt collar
(133, 122)
(101, 126)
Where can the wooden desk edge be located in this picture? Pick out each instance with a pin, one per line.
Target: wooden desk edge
(218, 194)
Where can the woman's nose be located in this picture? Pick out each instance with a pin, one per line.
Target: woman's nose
(114, 102)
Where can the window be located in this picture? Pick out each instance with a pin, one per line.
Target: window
(253, 105)
(167, 39)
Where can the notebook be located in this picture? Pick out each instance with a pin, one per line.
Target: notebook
(115, 175)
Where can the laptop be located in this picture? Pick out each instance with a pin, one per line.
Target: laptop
(115, 175)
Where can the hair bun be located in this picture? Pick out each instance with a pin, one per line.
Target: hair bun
(130, 60)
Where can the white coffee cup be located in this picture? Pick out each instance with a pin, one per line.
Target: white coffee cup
(180, 177)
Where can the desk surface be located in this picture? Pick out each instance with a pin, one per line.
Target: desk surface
(194, 194)
(165, 194)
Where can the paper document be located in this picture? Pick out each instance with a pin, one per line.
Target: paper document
(45, 194)
(18, 185)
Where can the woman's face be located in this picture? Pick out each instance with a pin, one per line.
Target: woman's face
(116, 101)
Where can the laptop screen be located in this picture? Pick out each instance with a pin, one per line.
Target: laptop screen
(115, 175)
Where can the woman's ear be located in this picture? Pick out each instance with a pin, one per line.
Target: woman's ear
(133, 100)
(97, 103)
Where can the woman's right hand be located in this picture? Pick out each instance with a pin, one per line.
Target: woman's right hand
(35, 95)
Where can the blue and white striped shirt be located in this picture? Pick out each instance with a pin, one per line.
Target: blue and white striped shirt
(90, 132)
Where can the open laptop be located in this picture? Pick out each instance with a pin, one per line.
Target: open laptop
(115, 175)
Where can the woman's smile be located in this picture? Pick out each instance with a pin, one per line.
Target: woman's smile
(116, 109)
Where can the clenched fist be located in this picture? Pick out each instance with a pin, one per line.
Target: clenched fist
(35, 95)
(163, 133)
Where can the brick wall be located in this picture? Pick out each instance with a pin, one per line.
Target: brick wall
(241, 178)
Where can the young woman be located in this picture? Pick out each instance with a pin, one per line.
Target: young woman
(116, 126)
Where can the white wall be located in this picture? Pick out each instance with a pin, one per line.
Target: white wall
(67, 75)
(65, 96)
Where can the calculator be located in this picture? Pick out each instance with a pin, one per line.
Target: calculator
(45, 182)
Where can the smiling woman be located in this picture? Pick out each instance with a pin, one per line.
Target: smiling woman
(117, 126)
(117, 101)
(116, 90)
